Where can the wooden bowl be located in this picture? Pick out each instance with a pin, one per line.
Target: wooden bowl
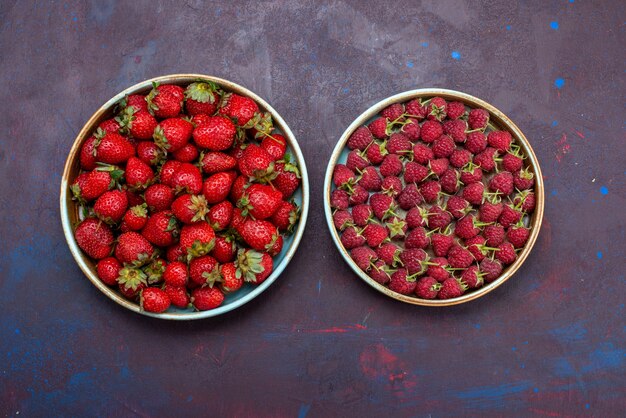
(70, 216)
(497, 120)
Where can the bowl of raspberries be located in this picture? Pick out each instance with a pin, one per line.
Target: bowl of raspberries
(434, 197)
(184, 197)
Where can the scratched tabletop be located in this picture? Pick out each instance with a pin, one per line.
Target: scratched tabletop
(319, 342)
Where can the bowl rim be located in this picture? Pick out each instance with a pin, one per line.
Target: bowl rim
(504, 122)
(65, 197)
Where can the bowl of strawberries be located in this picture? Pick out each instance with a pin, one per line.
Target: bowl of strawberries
(434, 197)
(184, 197)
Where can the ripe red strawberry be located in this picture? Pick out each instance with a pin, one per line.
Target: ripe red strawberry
(239, 108)
(449, 181)
(509, 216)
(214, 162)
(437, 109)
(441, 244)
(172, 134)
(135, 218)
(506, 253)
(517, 235)
(150, 153)
(167, 171)
(175, 253)
(489, 211)
(220, 215)
(341, 218)
(277, 247)
(370, 180)
(178, 296)
(201, 98)
(476, 246)
(402, 283)
(108, 270)
(382, 205)
(187, 178)
(431, 130)
(476, 142)
(378, 127)
(110, 125)
(364, 257)
(224, 250)
(186, 154)
(287, 178)
(217, 133)
(422, 153)
(438, 218)
(478, 119)
(437, 269)
(415, 172)
(412, 259)
(460, 158)
(351, 238)
(275, 145)
(133, 248)
(259, 234)
(399, 143)
(467, 227)
(491, 269)
(457, 206)
(161, 229)
(459, 257)
(494, 235)
(90, 186)
(190, 208)
(523, 179)
(204, 270)
(473, 193)
(138, 174)
(339, 199)
(500, 140)
(165, 100)
(136, 101)
(358, 195)
(512, 162)
(392, 185)
(154, 271)
(380, 272)
(112, 148)
(451, 288)
(417, 238)
(376, 152)
(260, 201)
(410, 197)
(197, 239)
(502, 182)
(159, 197)
(253, 266)
(391, 166)
(430, 190)
(139, 125)
(471, 174)
(131, 282)
(231, 281)
(360, 139)
(486, 160)
(375, 234)
(443, 146)
(176, 274)
(439, 166)
(455, 110)
(411, 129)
(286, 217)
(256, 162)
(427, 288)
(111, 206)
(87, 154)
(206, 298)
(389, 253)
(356, 160)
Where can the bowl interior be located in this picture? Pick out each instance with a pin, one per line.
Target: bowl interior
(70, 211)
(497, 121)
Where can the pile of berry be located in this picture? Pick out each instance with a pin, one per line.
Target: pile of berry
(185, 195)
(432, 200)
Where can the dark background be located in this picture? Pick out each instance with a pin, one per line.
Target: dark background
(319, 342)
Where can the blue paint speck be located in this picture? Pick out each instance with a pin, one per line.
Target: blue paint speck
(189, 398)
(304, 410)
(17, 330)
(571, 1)
(604, 190)
(456, 55)
(536, 390)
(425, 44)
(553, 192)
(477, 326)
(554, 25)
(508, 27)
(559, 83)
(587, 406)
(345, 89)
(513, 348)
(74, 18)
(555, 123)
(409, 64)
(599, 255)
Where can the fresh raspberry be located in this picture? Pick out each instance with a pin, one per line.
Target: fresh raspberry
(343, 176)
(494, 235)
(486, 160)
(339, 199)
(441, 244)
(471, 174)
(417, 238)
(427, 288)
(391, 166)
(512, 163)
(378, 128)
(360, 139)
(412, 259)
(351, 238)
(422, 154)
(409, 197)
(455, 110)
(456, 130)
(449, 181)
(382, 205)
(517, 235)
(506, 253)
(473, 193)
(476, 142)
(523, 180)
(380, 272)
(472, 277)
(431, 130)
(389, 253)
(451, 288)
(399, 144)
(416, 109)
(393, 112)
(392, 185)
(376, 152)
(364, 257)
(437, 269)
(500, 140)
(358, 195)
(527, 201)
(438, 218)
(375, 234)
(415, 172)
(489, 211)
(443, 146)
(361, 214)
(475, 246)
(414, 218)
(459, 257)
(411, 129)
(437, 109)
(457, 206)
(439, 166)
(430, 190)
(370, 179)
(466, 227)
(356, 161)
(460, 158)
(491, 269)
(400, 282)
(342, 219)
(502, 182)
(509, 216)
(478, 119)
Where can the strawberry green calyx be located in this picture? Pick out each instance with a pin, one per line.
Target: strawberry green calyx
(114, 171)
(150, 98)
(212, 277)
(199, 206)
(125, 119)
(265, 176)
(132, 278)
(199, 248)
(140, 210)
(272, 242)
(291, 167)
(294, 215)
(172, 226)
(159, 139)
(202, 91)
(248, 265)
(154, 271)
